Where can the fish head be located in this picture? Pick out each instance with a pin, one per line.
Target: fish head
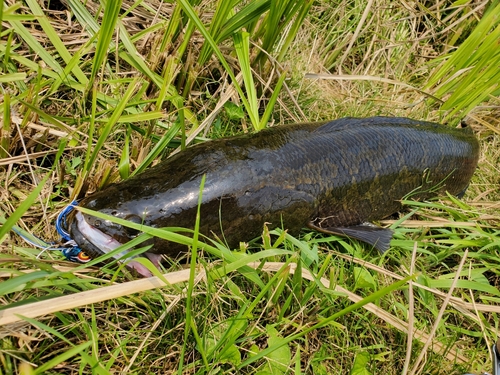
(120, 233)
(97, 236)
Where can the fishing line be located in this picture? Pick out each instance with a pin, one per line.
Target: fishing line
(69, 248)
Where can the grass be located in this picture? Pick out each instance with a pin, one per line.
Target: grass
(95, 92)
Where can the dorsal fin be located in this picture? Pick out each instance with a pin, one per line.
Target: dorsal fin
(350, 122)
(342, 123)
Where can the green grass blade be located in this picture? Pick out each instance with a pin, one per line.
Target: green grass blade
(46, 328)
(26, 204)
(87, 165)
(28, 63)
(223, 11)
(50, 119)
(273, 23)
(371, 298)
(249, 14)
(71, 65)
(112, 122)
(190, 324)
(141, 116)
(167, 234)
(465, 284)
(2, 15)
(12, 77)
(172, 29)
(51, 363)
(193, 16)
(294, 29)
(159, 148)
(242, 45)
(184, 46)
(45, 55)
(5, 129)
(471, 73)
(272, 101)
(84, 17)
(250, 258)
(19, 283)
(56, 41)
(106, 32)
(133, 58)
(124, 164)
(168, 76)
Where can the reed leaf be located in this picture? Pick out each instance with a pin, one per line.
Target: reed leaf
(29, 64)
(134, 58)
(297, 21)
(281, 13)
(272, 101)
(84, 17)
(244, 17)
(227, 20)
(106, 31)
(470, 74)
(106, 130)
(41, 51)
(223, 11)
(242, 45)
(188, 9)
(56, 41)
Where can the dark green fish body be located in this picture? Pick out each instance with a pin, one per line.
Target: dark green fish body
(328, 176)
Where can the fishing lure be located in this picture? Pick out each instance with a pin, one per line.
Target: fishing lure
(67, 245)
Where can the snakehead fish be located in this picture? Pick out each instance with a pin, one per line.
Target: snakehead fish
(334, 177)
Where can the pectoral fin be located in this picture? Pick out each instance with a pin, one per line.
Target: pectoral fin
(380, 238)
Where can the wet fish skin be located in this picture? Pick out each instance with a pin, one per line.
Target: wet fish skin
(328, 175)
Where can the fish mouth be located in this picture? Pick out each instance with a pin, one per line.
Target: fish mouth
(96, 243)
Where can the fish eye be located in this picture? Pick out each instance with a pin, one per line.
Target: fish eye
(134, 219)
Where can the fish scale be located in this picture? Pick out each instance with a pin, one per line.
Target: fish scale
(328, 176)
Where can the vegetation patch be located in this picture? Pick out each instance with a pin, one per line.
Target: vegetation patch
(95, 92)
